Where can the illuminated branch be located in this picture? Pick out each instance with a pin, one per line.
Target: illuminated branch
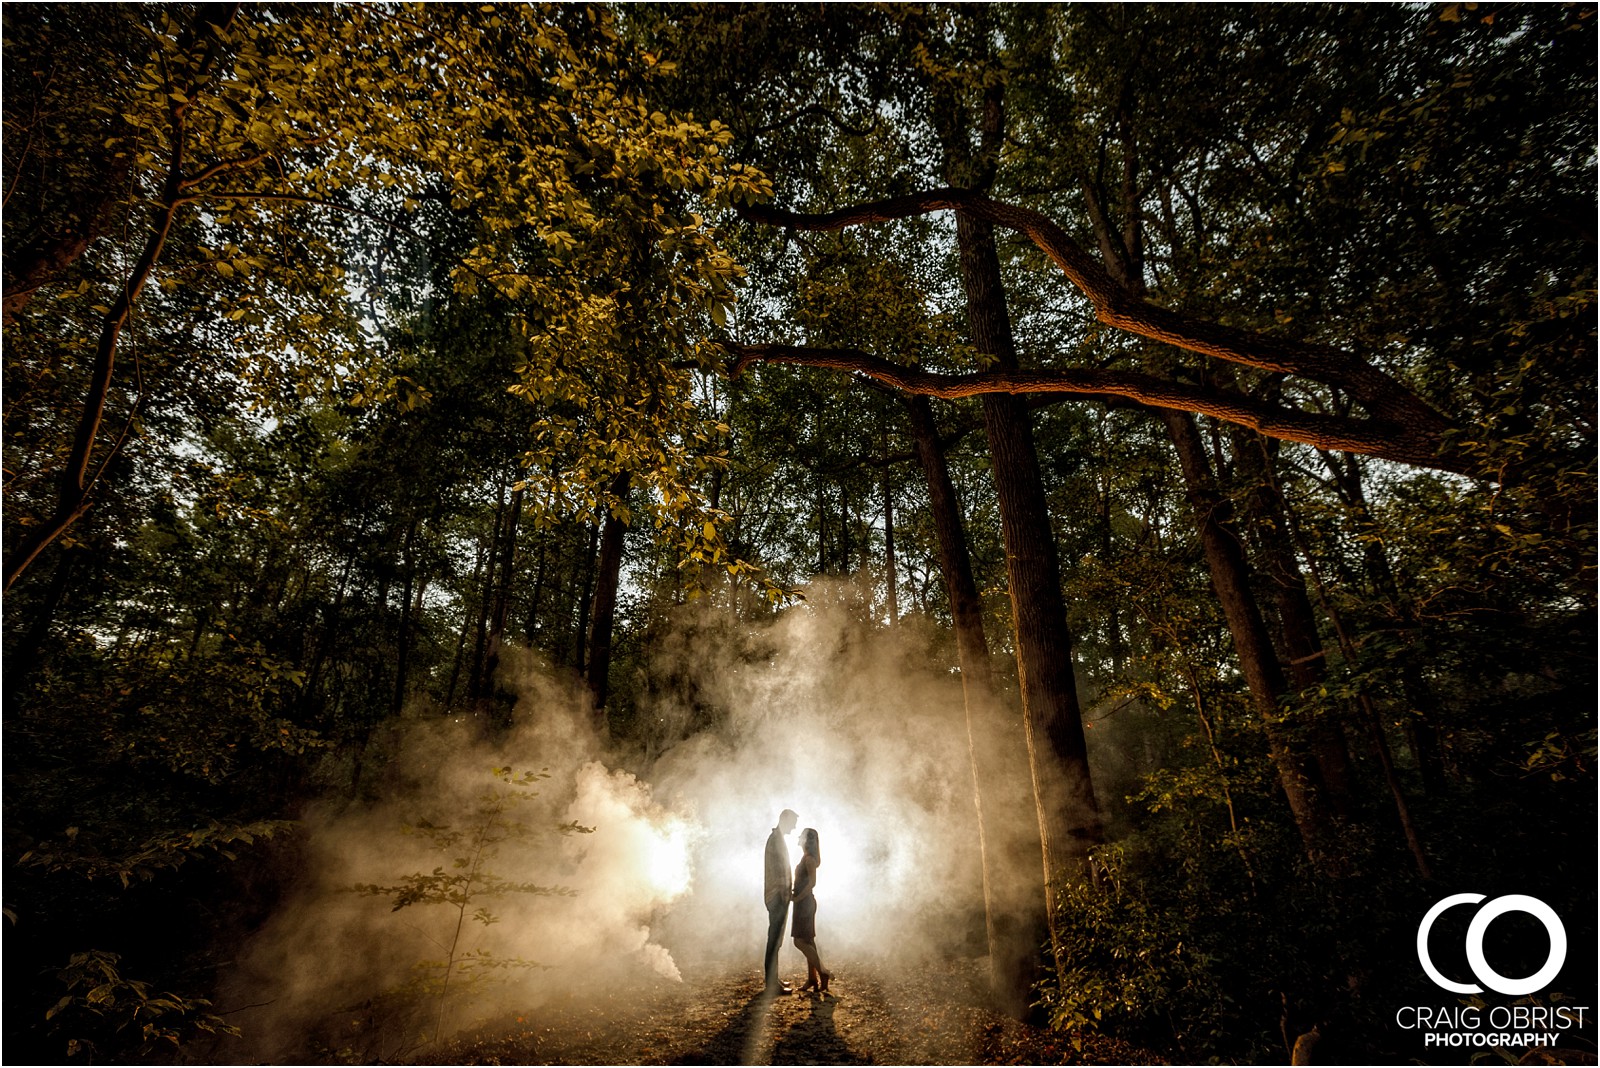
(1380, 393)
(228, 166)
(1388, 440)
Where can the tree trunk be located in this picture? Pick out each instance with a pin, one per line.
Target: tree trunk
(605, 601)
(477, 683)
(466, 627)
(502, 591)
(1303, 654)
(1067, 810)
(403, 640)
(532, 625)
(580, 629)
(888, 552)
(1257, 659)
(1008, 842)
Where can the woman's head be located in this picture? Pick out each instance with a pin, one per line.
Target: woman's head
(809, 844)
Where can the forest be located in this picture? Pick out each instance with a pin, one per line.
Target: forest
(1124, 474)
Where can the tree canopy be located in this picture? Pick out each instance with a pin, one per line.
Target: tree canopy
(1209, 389)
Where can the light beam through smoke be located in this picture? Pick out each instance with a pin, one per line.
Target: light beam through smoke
(858, 729)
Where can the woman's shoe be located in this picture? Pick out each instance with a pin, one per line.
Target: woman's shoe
(826, 977)
(811, 984)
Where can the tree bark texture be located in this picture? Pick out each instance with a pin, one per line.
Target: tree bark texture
(1303, 654)
(1257, 659)
(1066, 807)
(1008, 839)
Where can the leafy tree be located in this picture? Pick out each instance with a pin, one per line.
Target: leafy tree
(345, 347)
(237, 121)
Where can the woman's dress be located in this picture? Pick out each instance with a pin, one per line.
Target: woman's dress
(805, 902)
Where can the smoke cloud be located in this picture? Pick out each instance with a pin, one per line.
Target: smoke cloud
(626, 866)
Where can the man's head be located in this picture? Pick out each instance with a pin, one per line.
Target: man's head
(786, 821)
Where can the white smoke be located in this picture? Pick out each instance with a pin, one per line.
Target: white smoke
(858, 729)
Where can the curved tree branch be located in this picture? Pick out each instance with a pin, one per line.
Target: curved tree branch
(1383, 396)
(78, 480)
(1390, 440)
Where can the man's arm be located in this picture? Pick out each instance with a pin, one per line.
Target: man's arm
(777, 875)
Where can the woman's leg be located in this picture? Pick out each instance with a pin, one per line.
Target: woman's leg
(814, 971)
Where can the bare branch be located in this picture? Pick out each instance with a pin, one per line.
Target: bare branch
(1380, 393)
(1399, 442)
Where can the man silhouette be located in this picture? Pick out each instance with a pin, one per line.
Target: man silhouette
(777, 894)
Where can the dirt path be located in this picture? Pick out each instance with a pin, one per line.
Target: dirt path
(873, 1015)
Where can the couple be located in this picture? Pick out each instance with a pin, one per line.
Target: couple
(780, 891)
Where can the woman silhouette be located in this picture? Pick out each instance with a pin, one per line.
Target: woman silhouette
(805, 911)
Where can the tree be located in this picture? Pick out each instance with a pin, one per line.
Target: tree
(429, 359)
(243, 122)
(1402, 423)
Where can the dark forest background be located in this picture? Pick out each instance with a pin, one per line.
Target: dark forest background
(1223, 372)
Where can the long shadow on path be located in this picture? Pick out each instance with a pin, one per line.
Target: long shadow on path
(815, 1040)
(802, 1037)
(740, 1036)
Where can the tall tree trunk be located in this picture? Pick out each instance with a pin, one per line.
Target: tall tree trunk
(605, 601)
(403, 640)
(580, 631)
(466, 628)
(1065, 805)
(888, 552)
(477, 683)
(1257, 658)
(532, 626)
(502, 591)
(1303, 654)
(1067, 810)
(1008, 840)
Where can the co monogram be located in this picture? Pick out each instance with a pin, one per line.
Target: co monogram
(1475, 932)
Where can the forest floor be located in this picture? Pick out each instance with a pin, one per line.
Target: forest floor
(873, 1014)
